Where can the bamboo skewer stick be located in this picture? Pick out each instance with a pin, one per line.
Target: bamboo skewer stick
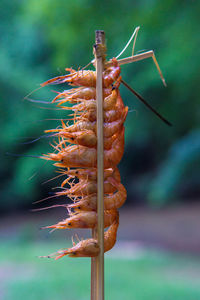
(97, 265)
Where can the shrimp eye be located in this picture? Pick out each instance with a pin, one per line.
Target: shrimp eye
(72, 138)
(79, 207)
(76, 172)
(69, 224)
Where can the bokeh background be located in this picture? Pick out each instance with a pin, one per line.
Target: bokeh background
(157, 255)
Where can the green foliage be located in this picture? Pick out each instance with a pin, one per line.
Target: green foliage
(152, 275)
(40, 38)
(179, 170)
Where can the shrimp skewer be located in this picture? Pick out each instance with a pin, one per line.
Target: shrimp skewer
(80, 156)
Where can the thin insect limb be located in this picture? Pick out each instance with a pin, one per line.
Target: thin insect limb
(146, 103)
(132, 36)
(134, 41)
(139, 57)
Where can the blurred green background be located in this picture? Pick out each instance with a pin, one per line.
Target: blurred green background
(40, 38)
(160, 167)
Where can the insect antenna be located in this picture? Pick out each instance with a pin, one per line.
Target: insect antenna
(146, 103)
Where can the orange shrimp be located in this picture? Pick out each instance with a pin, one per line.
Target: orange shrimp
(112, 201)
(85, 248)
(110, 128)
(109, 103)
(90, 247)
(85, 220)
(86, 77)
(91, 173)
(85, 187)
(80, 156)
(88, 139)
(74, 95)
(109, 115)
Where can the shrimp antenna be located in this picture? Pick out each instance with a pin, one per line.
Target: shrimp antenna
(29, 94)
(132, 36)
(146, 103)
(23, 155)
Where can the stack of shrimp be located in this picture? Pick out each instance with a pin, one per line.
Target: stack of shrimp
(79, 161)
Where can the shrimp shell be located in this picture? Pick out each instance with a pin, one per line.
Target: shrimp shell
(85, 220)
(91, 173)
(86, 77)
(80, 156)
(88, 139)
(110, 128)
(74, 95)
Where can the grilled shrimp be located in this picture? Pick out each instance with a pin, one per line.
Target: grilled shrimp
(109, 115)
(112, 201)
(85, 187)
(86, 77)
(80, 156)
(88, 139)
(90, 247)
(108, 103)
(110, 128)
(85, 220)
(74, 95)
(91, 173)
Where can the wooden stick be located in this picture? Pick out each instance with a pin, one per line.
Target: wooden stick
(97, 274)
